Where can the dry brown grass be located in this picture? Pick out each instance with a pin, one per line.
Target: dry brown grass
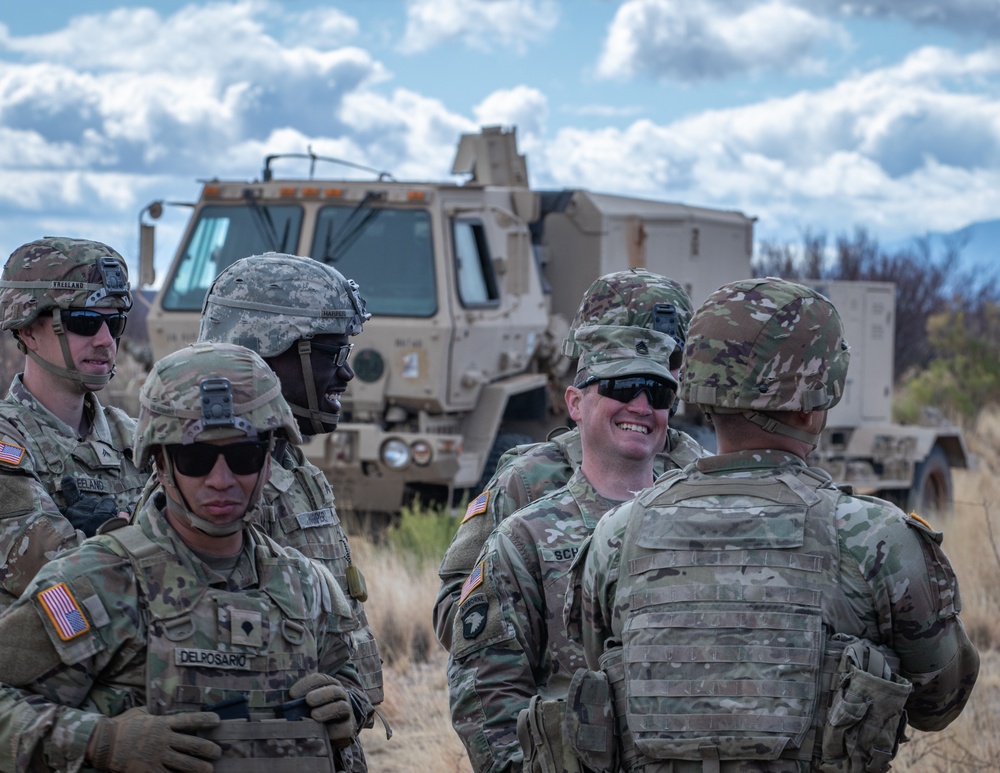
(416, 689)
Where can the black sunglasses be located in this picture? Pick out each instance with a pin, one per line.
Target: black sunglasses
(625, 389)
(88, 323)
(339, 354)
(198, 459)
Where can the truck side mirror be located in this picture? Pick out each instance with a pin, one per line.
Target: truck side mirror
(147, 270)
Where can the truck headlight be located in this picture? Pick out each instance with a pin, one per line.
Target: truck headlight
(421, 451)
(395, 454)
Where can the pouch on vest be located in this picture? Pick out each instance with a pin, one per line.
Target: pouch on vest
(589, 726)
(540, 733)
(867, 717)
(272, 746)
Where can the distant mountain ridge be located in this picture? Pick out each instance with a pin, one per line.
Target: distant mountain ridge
(978, 243)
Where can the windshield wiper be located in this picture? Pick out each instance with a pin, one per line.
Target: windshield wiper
(354, 225)
(264, 224)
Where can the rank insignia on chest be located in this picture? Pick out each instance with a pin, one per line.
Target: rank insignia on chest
(477, 506)
(474, 616)
(473, 581)
(63, 611)
(11, 454)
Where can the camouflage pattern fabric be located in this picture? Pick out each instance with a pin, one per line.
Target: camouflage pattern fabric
(765, 345)
(523, 475)
(898, 587)
(268, 302)
(298, 511)
(630, 298)
(508, 642)
(170, 402)
(37, 450)
(62, 273)
(95, 654)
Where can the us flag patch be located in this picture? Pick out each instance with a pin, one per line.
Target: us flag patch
(471, 582)
(477, 506)
(11, 454)
(63, 611)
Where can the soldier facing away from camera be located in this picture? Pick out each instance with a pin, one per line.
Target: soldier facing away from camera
(188, 640)
(299, 314)
(508, 641)
(632, 297)
(745, 613)
(66, 462)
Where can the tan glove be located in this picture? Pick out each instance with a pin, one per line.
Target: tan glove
(137, 742)
(330, 705)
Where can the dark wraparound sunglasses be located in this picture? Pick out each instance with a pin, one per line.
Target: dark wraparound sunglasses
(197, 459)
(660, 393)
(338, 354)
(88, 323)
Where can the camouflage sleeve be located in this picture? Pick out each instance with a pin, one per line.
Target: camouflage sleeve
(501, 498)
(595, 575)
(32, 531)
(902, 585)
(55, 642)
(498, 642)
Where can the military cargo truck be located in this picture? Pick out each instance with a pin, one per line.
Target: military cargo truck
(471, 287)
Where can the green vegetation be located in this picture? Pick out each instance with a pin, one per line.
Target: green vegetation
(964, 375)
(947, 345)
(422, 533)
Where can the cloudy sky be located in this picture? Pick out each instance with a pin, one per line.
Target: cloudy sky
(808, 114)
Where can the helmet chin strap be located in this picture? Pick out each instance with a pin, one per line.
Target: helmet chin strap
(92, 381)
(317, 417)
(183, 510)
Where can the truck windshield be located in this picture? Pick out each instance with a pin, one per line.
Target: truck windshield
(386, 251)
(222, 235)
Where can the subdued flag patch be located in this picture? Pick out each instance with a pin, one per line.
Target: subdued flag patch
(471, 582)
(63, 611)
(11, 454)
(477, 506)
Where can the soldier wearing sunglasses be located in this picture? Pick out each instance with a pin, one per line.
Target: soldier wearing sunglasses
(746, 614)
(508, 642)
(635, 297)
(66, 463)
(299, 315)
(187, 640)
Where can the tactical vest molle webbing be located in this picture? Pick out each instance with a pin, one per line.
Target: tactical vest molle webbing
(99, 468)
(299, 513)
(207, 645)
(723, 646)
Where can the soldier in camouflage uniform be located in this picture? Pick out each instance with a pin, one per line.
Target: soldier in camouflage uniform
(746, 614)
(633, 297)
(65, 460)
(508, 642)
(298, 314)
(188, 640)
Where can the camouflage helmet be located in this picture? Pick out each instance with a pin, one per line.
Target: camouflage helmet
(268, 302)
(630, 322)
(765, 345)
(209, 391)
(58, 272)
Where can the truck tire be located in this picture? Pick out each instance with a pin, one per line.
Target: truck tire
(503, 443)
(932, 492)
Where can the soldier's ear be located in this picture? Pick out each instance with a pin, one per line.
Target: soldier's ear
(573, 397)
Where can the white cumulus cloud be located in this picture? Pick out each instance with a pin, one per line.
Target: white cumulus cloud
(697, 40)
(478, 24)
